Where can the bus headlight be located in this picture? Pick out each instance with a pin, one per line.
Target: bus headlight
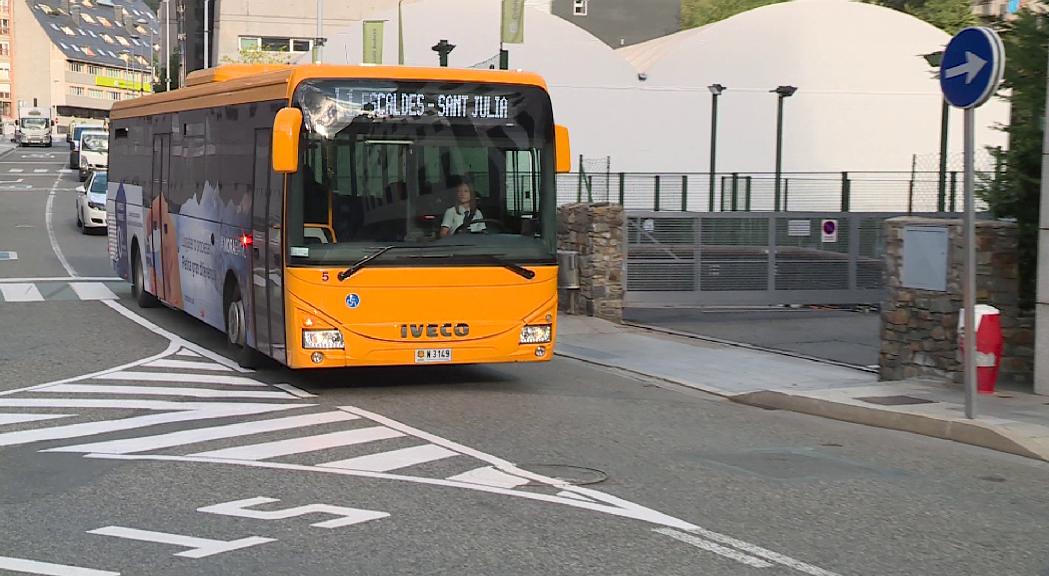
(537, 334)
(322, 339)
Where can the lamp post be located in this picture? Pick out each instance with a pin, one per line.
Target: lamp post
(443, 48)
(782, 92)
(934, 59)
(715, 91)
(167, 45)
(152, 61)
(318, 42)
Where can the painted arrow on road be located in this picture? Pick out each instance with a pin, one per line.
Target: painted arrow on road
(973, 65)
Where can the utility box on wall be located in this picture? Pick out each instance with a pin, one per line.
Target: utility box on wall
(925, 258)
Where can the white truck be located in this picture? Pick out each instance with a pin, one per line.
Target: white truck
(34, 127)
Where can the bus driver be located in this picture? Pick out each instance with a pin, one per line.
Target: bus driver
(465, 210)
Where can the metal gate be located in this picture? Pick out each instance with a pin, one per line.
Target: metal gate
(754, 258)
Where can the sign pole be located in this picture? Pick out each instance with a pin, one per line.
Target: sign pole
(969, 298)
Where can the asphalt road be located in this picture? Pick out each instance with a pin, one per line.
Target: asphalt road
(129, 445)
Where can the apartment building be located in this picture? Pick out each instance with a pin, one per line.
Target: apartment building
(78, 57)
(7, 102)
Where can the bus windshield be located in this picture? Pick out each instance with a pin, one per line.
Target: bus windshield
(410, 164)
(35, 123)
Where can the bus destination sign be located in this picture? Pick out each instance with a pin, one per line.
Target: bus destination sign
(398, 104)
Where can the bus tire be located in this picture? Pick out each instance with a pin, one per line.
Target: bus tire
(237, 327)
(138, 288)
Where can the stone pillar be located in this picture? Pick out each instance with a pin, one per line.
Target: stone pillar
(595, 231)
(919, 327)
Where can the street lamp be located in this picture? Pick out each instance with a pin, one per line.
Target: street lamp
(715, 91)
(935, 59)
(126, 54)
(152, 61)
(782, 92)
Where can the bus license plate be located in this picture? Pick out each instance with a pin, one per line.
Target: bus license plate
(433, 355)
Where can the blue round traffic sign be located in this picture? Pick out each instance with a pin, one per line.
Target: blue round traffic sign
(972, 67)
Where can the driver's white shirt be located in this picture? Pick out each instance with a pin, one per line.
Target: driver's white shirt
(454, 216)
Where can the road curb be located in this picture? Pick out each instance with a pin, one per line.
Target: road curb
(672, 332)
(974, 433)
(709, 390)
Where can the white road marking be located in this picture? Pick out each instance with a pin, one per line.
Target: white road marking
(18, 181)
(40, 170)
(198, 547)
(489, 476)
(47, 569)
(763, 553)
(220, 410)
(636, 512)
(187, 365)
(305, 444)
(48, 220)
(62, 279)
(66, 171)
(349, 516)
(394, 459)
(715, 548)
(132, 376)
(298, 392)
(174, 339)
(187, 352)
(16, 170)
(196, 435)
(8, 255)
(20, 293)
(20, 418)
(573, 495)
(164, 391)
(92, 291)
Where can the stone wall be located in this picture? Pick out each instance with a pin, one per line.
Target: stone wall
(919, 327)
(595, 231)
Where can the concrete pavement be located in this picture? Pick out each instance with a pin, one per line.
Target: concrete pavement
(1008, 421)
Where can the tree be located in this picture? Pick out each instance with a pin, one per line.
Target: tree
(257, 56)
(1016, 192)
(702, 12)
(947, 15)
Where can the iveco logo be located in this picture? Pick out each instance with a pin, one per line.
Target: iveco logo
(434, 330)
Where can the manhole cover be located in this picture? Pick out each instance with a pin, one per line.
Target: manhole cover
(574, 475)
(895, 400)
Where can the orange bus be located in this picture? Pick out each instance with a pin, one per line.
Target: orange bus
(328, 216)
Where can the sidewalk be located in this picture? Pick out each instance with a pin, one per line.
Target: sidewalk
(1008, 421)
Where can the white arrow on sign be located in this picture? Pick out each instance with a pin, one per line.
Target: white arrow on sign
(973, 65)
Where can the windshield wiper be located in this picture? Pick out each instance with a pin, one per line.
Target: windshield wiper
(515, 268)
(367, 259)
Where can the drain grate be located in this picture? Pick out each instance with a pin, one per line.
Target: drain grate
(895, 400)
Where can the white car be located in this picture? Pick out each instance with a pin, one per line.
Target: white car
(91, 202)
(94, 152)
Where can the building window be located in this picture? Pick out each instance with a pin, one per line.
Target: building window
(5, 71)
(579, 7)
(95, 93)
(5, 26)
(5, 5)
(76, 90)
(87, 18)
(250, 43)
(5, 49)
(301, 45)
(76, 67)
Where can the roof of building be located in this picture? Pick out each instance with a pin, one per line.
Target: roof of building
(101, 32)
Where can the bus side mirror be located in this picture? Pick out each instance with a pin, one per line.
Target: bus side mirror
(563, 149)
(285, 152)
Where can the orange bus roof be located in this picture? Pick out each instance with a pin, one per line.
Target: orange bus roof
(244, 83)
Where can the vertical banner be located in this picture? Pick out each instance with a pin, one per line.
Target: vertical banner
(372, 42)
(513, 22)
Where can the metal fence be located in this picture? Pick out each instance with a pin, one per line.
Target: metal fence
(907, 192)
(717, 259)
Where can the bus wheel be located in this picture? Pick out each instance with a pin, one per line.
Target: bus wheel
(237, 331)
(138, 289)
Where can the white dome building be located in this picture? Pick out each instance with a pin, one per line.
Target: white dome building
(866, 101)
